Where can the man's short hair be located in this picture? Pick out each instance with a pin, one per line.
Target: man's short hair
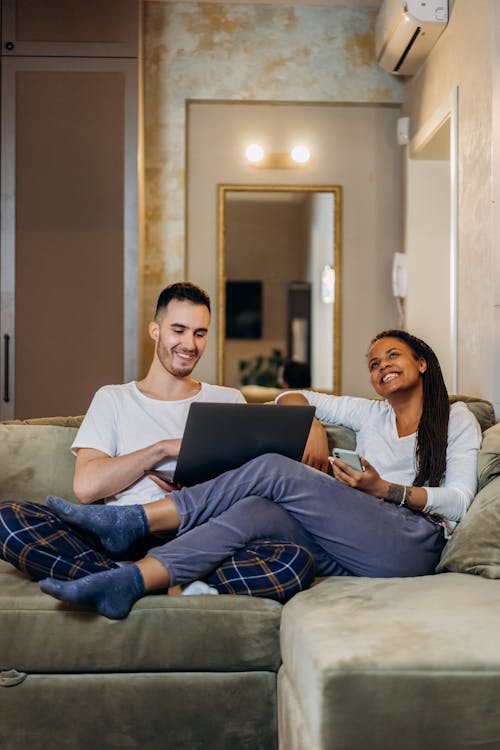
(183, 291)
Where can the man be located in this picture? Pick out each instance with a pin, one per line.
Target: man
(128, 430)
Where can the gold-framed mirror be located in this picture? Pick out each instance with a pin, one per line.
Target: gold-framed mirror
(279, 281)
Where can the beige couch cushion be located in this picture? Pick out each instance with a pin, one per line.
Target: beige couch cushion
(36, 461)
(162, 633)
(371, 664)
(475, 544)
(483, 410)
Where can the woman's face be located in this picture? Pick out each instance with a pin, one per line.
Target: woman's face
(393, 367)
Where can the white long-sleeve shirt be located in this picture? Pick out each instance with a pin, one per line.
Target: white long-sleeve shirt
(377, 440)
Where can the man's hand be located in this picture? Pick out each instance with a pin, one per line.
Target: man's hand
(162, 484)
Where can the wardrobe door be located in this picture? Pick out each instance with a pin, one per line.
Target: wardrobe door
(69, 232)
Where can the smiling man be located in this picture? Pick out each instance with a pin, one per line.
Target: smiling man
(137, 426)
(128, 430)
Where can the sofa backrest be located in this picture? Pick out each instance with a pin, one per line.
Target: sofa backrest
(483, 410)
(36, 460)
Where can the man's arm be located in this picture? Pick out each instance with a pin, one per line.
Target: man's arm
(98, 475)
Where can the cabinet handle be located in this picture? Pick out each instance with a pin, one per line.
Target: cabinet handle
(6, 347)
(9, 46)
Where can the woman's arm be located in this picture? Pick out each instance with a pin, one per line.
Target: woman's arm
(316, 452)
(371, 482)
(453, 498)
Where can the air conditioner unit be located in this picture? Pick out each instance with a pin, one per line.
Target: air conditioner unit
(406, 31)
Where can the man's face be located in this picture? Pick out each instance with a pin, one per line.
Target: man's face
(181, 336)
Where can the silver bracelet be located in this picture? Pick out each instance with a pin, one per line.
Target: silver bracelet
(403, 501)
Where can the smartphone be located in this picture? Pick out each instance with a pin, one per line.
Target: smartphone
(351, 458)
(167, 476)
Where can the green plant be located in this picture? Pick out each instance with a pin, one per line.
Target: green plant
(261, 370)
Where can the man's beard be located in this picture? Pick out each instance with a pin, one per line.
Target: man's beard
(168, 359)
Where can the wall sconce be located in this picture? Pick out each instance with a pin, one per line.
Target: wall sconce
(328, 285)
(299, 156)
(254, 153)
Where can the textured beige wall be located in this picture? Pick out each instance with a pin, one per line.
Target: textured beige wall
(463, 57)
(237, 52)
(496, 204)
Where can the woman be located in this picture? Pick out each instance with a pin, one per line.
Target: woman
(391, 519)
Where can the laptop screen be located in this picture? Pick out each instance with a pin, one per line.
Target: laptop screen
(220, 436)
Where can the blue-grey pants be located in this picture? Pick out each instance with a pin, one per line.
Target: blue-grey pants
(348, 532)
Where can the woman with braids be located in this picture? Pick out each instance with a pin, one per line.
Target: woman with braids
(389, 520)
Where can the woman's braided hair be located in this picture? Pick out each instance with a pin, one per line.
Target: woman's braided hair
(432, 432)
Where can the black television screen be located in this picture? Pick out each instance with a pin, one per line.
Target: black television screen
(243, 309)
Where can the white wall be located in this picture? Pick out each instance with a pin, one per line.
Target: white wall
(466, 55)
(495, 238)
(428, 249)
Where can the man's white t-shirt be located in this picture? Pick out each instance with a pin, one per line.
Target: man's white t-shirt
(121, 420)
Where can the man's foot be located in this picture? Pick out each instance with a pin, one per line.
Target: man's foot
(116, 526)
(110, 593)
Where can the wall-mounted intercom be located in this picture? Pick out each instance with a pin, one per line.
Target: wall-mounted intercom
(399, 275)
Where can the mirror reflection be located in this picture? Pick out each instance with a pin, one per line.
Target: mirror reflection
(279, 285)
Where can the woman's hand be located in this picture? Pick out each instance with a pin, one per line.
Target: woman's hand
(371, 482)
(368, 480)
(316, 451)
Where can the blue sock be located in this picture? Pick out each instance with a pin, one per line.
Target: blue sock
(116, 526)
(111, 593)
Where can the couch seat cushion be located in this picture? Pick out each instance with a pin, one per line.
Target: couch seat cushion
(363, 657)
(162, 633)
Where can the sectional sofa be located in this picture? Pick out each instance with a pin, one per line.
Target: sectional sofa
(351, 664)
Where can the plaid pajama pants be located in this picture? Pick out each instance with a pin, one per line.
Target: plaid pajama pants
(41, 545)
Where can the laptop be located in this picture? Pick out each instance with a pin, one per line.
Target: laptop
(221, 436)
